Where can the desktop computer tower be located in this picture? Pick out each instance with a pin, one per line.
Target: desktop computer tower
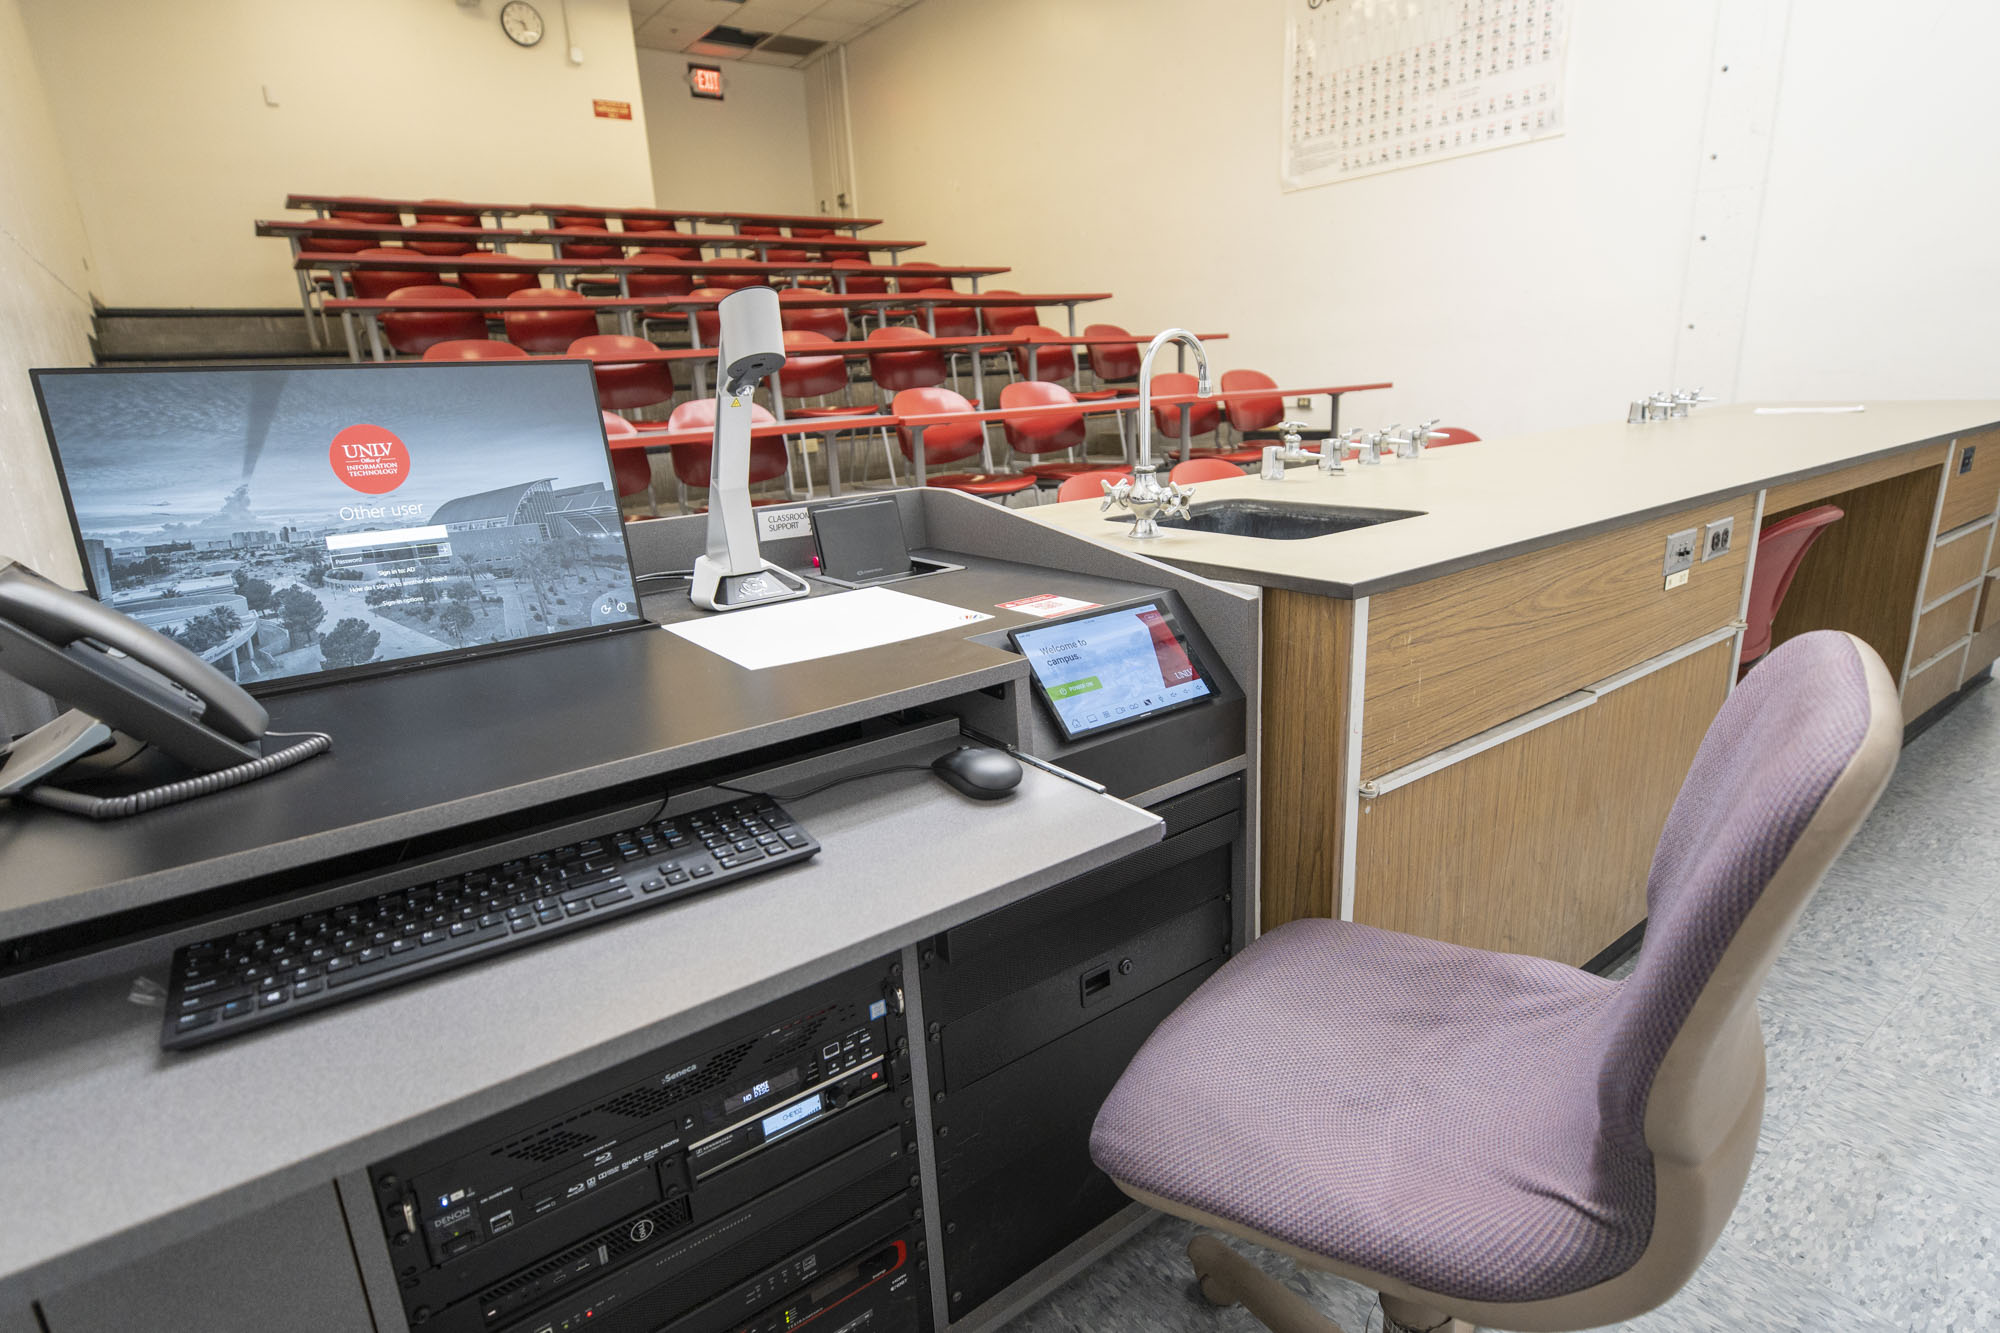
(755, 1177)
(1034, 1011)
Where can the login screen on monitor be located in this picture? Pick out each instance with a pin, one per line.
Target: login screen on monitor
(1110, 669)
(287, 522)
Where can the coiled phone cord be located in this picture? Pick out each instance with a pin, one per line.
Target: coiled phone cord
(173, 793)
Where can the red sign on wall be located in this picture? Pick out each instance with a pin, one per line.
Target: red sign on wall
(608, 110)
(705, 81)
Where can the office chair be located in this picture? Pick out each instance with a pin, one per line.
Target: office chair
(1781, 549)
(1502, 1139)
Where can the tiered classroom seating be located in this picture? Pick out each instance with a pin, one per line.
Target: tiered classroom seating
(888, 346)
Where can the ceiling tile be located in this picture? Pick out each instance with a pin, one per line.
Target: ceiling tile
(859, 13)
(772, 14)
(767, 58)
(822, 31)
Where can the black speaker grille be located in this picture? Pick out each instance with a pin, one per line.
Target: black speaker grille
(548, 1145)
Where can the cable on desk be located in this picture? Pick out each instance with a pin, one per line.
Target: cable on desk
(173, 793)
(837, 782)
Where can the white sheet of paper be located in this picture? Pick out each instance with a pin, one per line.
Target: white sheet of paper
(799, 631)
(1805, 411)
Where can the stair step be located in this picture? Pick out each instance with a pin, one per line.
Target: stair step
(127, 335)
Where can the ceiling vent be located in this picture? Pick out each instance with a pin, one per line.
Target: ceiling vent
(729, 40)
(790, 46)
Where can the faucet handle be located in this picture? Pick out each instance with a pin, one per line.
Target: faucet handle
(1115, 493)
(1175, 499)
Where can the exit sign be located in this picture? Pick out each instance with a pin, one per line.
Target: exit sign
(705, 81)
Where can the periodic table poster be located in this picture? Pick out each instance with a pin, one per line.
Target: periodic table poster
(1374, 85)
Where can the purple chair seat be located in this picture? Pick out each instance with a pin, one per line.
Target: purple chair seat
(1396, 1103)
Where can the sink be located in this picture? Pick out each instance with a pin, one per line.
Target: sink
(1276, 521)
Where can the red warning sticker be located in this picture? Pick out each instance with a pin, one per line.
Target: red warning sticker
(369, 459)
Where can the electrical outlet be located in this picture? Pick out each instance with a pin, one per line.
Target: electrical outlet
(1680, 552)
(1305, 402)
(1677, 580)
(1716, 537)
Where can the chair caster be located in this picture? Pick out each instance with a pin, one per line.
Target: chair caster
(1224, 1278)
(1200, 1290)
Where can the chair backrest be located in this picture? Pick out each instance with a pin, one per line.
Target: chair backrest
(379, 219)
(1052, 361)
(759, 229)
(418, 331)
(949, 321)
(448, 213)
(946, 442)
(915, 284)
(813, 233)
(1781, 548)
(609, 346)
(550, 331)
(1203, 417)
(807, 376)
(788, 256)
(694, 462)
(1044, 432)
(1789, 768)
(1088, 485)
(729, 282)
(860, 283)
(580, 247)
(594, 220)
(648, 224)
(830, 321)
(708, 322)
(630, 469)
(1445, 435)
(894, 372)
(1114, 363)
(1204, 469)
(374, 284)
(1007, 318)
(332, 243)
(1251, 413)
(475, 349)
(658, 284)
(491, 286)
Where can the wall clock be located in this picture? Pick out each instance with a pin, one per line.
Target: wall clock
(522, 22)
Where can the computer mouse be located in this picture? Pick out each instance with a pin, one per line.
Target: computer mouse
(981, 773)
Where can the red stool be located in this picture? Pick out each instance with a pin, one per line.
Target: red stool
(1781, 548)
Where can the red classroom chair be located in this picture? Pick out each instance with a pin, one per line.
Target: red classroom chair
(828, 321)
(377, 218)
(924, 282)
(547, 331)
(1259, 413)
(708, 324)
(623, 384)
(893, 371)
(1089, 485)
(1781, 549)
(1116, 362)
(694, 461)
(807, 376)
(1202, 417)
(946, 321)
(729, 282)
(813, 233)
(591, 220)
(374, 284)
(445, 218)
(859, 281)
(631, 470)
(1204, 469)
(495, 285)
(1050, 362)
(1007, 318)
(759, 229)
(580, 249)
(655, 225)
(475, 349)
(951, 442)
(335, 244)
(1045, 432)
(418, 330)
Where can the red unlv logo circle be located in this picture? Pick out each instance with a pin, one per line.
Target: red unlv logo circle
(369, 459)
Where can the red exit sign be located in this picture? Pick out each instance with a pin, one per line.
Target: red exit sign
(705, 81)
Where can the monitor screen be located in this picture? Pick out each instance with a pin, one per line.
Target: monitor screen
(289, 522)
(1111, 668)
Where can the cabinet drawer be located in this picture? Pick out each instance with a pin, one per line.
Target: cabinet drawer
(1972, 479)
(1957, 562)
(1943, 625)
(1451, 657)
(1931, 686)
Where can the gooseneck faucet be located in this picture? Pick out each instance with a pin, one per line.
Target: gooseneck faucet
(1144, 494)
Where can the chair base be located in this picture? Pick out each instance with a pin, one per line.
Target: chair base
(1225, 1277)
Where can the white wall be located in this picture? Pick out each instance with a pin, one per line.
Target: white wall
(1877, 271)
(44, 306)
(1529, 287)
(748, 153)
(174, 152)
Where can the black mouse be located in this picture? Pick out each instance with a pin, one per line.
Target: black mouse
(982, 774)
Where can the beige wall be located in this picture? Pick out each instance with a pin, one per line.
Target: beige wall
(44, 306)
(174, 152)
(1529, 286)
(749, 152)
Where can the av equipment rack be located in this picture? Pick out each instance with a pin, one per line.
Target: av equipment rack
(767, 1165)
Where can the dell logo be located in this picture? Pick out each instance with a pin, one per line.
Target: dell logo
(641, 1230)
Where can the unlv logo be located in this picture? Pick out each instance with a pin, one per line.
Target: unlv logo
(369, 459)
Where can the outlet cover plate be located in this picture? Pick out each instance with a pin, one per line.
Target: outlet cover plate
(1680, 551)
(1717, 536)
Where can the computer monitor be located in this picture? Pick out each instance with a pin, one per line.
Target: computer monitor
(294, 523)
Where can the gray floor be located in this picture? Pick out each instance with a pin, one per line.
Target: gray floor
(1874, 1204)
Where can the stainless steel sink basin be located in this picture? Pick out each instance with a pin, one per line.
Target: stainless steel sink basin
(1276, 521)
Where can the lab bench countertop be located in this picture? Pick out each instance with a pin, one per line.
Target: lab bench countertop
(1482, 502)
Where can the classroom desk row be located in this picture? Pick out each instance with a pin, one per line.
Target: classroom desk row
(339, 264)
(924, 304)
(829, 429)
(324, 204)
(304, 232)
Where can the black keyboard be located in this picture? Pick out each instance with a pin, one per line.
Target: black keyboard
(264, 975)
